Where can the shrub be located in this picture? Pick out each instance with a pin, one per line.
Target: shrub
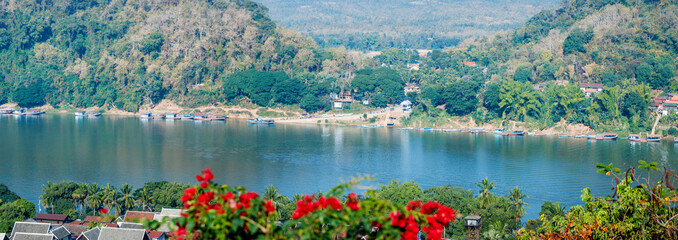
(673, 131)
(222, 212)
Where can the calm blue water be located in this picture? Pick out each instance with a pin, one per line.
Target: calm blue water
(303, 158)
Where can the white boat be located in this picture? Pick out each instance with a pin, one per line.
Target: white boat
(80, 114)
(93, 114)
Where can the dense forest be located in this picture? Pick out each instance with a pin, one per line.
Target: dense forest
(374, 25)
(125, 54)
(532, 74)
(122, 54)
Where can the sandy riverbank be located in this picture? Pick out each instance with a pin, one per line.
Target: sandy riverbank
(382, 117)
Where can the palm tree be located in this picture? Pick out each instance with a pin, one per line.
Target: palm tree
(109, 196)
(279, 200)
(485, 195)
(93, 199)
(126, 198)
(518, 204)
(79, 196)
(48, 198)
(144, 198)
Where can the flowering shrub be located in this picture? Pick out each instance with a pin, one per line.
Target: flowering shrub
(222, 212)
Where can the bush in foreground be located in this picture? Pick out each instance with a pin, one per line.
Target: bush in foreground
(215, 211)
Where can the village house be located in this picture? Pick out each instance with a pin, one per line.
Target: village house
(137, 216)
(32, 236)
(3, 236)
(61, 233)
(92, 234)
(157, 235)
(413, 66)
(344, 97)
(409, 87)
(591, 88)
(406, 105)
(51, 218)
(470, 64)
(30, 228)
(122, 234)
(169, 213)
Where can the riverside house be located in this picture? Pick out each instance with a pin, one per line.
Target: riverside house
(51, 218)
(591, 88)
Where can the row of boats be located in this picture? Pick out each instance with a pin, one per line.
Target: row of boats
(195, 117)
(21, 112)
(173, 116)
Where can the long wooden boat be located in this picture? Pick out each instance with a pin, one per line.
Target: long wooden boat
(635, 138)
(219, 118)
(93, 114)
(654, 138)
(201, 118)
(34, 112)
(81, 114)
(260, 121)
(187, 116)
(146, 116)
(499, 131)
(476, 130)
(602, 136)
(6, 111)
(19, 112)
(158, 116)
(517, 132)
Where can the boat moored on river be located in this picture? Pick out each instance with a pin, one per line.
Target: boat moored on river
(172, 116)
(19, 112)
(219, 118)
(260, 121)
(499, 131)
(517, 132)
(602, 136)
(146, 116)
(201, 118)
(81, 114)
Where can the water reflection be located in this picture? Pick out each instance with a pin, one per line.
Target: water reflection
(303, 158)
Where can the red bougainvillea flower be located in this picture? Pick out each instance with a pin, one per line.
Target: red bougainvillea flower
(204, 185)
(207, 174)
(352, 202)
(414, 205)
(103, 211)
(429, 207)
(269, 207)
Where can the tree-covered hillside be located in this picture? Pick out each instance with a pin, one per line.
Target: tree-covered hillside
(123, 54)
(377, 24)
(629, 46)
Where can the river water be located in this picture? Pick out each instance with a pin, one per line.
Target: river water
(304, 158)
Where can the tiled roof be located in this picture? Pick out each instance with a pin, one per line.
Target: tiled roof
(130, 225)
(591, 85)
(134, 216)
(122, 234)
(50, 217)
(97, 219)
(60, 232)
(155, 234)
(32, 236)
(30, 227)
(170, 211)
(92, 234)
(76, 229)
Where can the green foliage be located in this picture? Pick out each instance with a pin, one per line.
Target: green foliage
(311, 104)
(31, 95)
(639, 208)
(152, 43)
(461, 98)
(576, 40)
(400, 193)
(523, 73)
(11, 212)
(6, 195)
(673, 131)
(379, 83)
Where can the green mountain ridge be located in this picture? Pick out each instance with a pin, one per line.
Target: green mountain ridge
(124, 54)
(376, 24)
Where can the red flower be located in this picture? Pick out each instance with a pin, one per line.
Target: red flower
(269, 207)
(207, 173)
(103, 211)
(205, 198)
(227, 196)
(334, 203)
(429, 207)
(413, 205)
(180, 232)
(397, 220)
(352, 202)
(199, 178)
(204, 185)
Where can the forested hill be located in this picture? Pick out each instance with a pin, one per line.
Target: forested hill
(123, 54)
(629, 46)
(427, 24)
